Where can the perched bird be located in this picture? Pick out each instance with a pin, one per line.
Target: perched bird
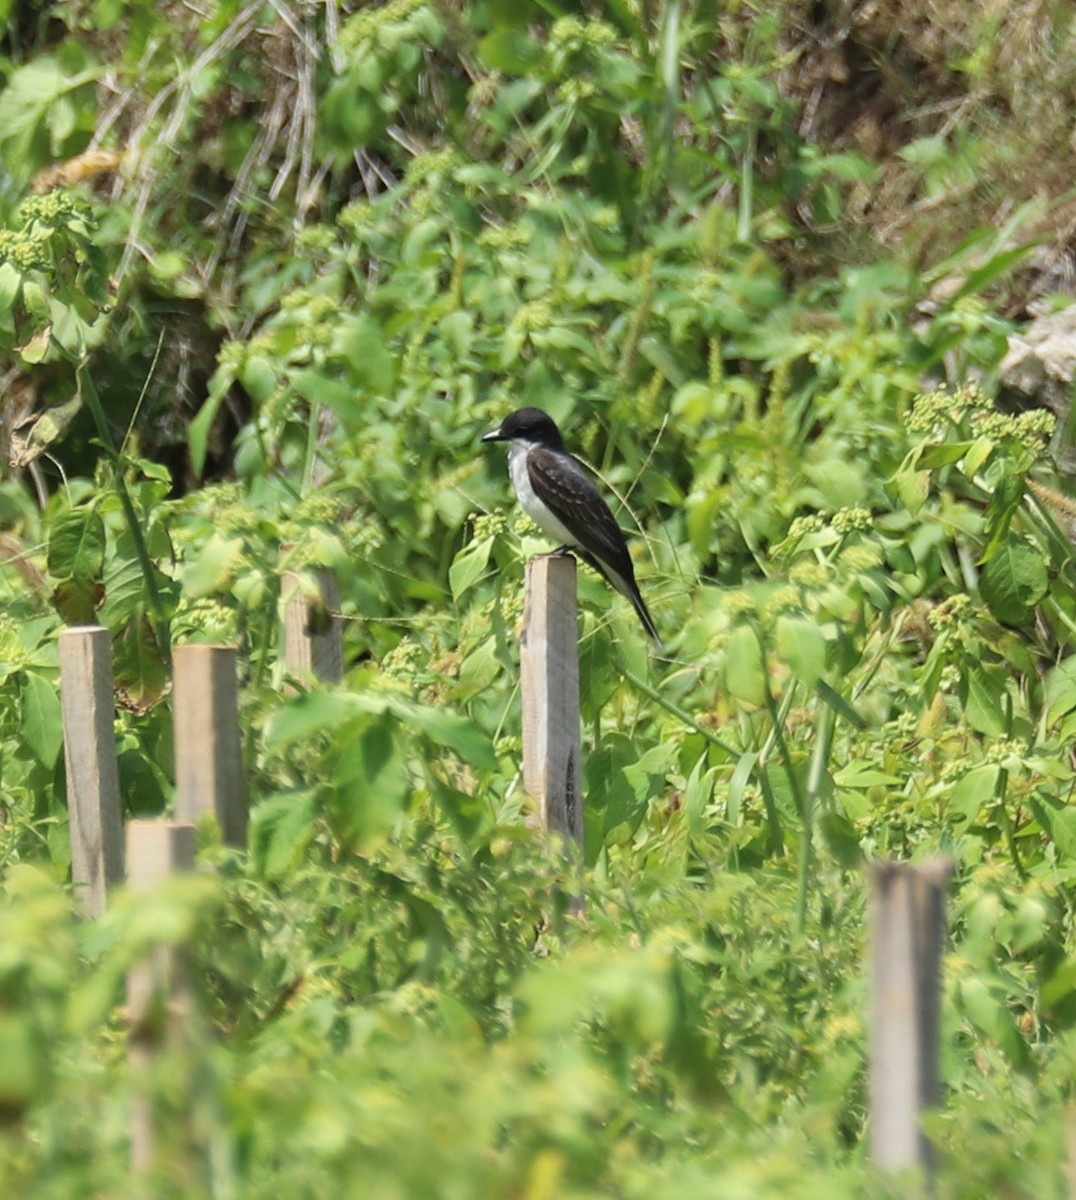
(557, 494)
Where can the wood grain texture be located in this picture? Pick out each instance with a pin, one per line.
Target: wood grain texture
(209, 760)
(907, 938)
(93, 790)
(549, 669)
(313, 631)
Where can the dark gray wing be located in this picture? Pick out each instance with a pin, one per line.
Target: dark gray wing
(565, 488)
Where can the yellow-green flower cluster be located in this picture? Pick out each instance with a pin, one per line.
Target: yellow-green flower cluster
(21, 251)
(403, 661)
(950, 613)
(573, 33)
(784, 599)
(355, 216)
(431, 162)
(809, 574)
(851, 520)
(1033, 429)
(862, 557)
(945, 407)
(575, 91)
(802, 526)
(505, 237)
(371, 19)
(315, 238)
(232, 354)
(54, 208)
(319, 509)
(532, 317)
(489, 524)
(740, 602)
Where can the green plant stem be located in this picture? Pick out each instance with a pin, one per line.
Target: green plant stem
(673, 708)
(823, 739)
(89, 395)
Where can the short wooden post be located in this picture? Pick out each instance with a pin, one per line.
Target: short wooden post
(155, 850)
(549, 670)
(209, 759)
(313, 631)
(907, 917)
(93, 786)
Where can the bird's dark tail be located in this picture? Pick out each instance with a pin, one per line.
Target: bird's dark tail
(626, 586)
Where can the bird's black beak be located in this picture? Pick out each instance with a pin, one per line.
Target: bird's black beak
(494, 435)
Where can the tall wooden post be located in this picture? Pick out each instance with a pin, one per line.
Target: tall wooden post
(93, 787)
(209, 759)
(907, 918)
(313, 636)
(549, 669)
(155, 850)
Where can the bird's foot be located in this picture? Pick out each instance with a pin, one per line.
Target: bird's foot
(563, 552)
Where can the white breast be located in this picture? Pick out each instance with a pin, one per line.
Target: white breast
(532, 505)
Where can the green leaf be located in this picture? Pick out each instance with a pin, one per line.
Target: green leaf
(281, 829)
(199, 429)
(801, 645)
(372, 781)
(77, 545)
(1013, 580)
(10, 283)
(362, 342)
(40, 721)
(509, 50)
(744, 667)
(468, 566)
(981, 693)
(1061, 689)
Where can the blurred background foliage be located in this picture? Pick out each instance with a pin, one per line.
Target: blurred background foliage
(267, 272)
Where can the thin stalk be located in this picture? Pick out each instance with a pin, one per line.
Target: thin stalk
(823, 738)
(673, 708)
(159, 621)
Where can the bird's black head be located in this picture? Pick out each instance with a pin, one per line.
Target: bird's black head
(530, 425)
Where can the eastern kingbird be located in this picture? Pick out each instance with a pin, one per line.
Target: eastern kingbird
(557, 494)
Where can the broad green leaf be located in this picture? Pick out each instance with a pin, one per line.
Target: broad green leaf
(281, 829)
(77, 545)
(362, 341)
(371, 779)
(860, 774)
(744, 667)
(10, 283)
(801, 645)
(468, 566)
(40, 722)
(1061, 689)
(1013, 580)
(981, 693)
(201, 426)
(509, 50)
(970, 794)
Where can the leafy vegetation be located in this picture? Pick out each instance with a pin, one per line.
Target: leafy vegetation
(266, 274)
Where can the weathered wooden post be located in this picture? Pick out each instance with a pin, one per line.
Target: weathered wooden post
(93, 788)
(313, 631)
(907, 918)
(155, 850)
(549, 670)
(209, 759)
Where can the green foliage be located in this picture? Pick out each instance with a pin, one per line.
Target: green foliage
(864, 590)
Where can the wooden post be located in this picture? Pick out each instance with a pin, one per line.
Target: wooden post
(209, 760)
(93, 786)
(549, 669)
(907, 917)
(313, 631)
(155, 850)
